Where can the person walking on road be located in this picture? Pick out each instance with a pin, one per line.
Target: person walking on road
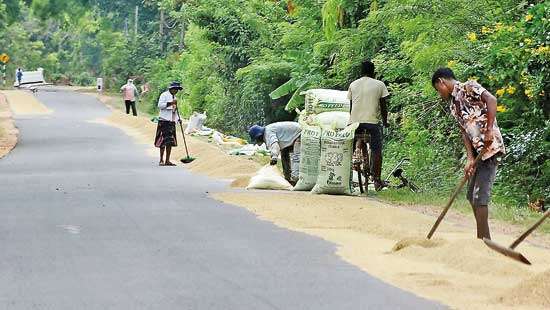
(130, 93)
(367, 106)
(19, 76)
(166, 130)
(474, 108)
(282, 138)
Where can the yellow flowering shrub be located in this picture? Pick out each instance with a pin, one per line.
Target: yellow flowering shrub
(529, 93)
(451, 64)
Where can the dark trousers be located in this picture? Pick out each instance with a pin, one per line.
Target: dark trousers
(130, 104)
(376, 137)
(290, 159)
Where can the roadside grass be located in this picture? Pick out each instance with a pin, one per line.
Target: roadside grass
(519, 216)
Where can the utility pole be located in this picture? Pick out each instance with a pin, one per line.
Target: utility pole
(161, 24)
(136, 18)
(4, 74)
(126, 27)
(4, 59)
(161, 30)
(182, 36)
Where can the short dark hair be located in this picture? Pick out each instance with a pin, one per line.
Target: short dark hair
(367, 68)
(442, 73)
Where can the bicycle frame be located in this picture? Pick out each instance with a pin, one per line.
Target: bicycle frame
(362, 163)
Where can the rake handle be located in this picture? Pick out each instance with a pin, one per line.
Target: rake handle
(182, 132)
(181, 127)
(530, 230)
(452, 199)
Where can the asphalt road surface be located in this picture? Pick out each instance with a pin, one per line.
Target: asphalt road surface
(88, 221)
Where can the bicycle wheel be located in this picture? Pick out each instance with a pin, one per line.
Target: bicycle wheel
(357, 165)
(365, 165)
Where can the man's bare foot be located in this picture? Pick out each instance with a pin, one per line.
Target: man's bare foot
(161, 163)
(168, 163)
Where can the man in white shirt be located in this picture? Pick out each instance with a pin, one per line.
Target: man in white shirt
(129, 93)
(166, 129)
(368, 106)
(281, 138)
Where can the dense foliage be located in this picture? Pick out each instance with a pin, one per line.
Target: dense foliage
(247, 61)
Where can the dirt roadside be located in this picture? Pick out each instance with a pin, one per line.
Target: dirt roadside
(15, 103)
(8, 131)
(456, 269)
(24, 103)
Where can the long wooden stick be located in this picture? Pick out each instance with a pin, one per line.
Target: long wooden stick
(530, 230)
(452, 199)
(182, 133)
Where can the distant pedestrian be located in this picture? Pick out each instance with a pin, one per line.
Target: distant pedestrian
(166, 130)
(474, 109)
(19, 76)
(129, 93)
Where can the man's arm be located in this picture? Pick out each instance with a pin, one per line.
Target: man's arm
(491, 103)
(275, 150)
(350, 98)
(384, 95)
(469, 168)
(164, 102)
(468, 145)
(384, 111)
(272, 143)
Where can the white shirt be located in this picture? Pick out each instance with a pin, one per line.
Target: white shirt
(365, 94)
(167, 113)
(281, 135)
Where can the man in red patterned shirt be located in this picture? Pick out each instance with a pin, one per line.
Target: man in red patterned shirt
(474, 108)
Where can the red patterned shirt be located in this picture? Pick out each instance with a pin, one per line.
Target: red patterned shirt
(470, 111)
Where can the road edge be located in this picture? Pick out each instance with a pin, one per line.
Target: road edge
(7, 125)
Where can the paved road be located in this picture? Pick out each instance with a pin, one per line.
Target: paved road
(87, 221)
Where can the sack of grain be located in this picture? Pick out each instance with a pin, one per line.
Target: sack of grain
(335, 162)
(269, 177)
(310, 153)
(326, 100)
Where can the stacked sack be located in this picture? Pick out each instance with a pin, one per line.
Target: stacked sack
(327, 144)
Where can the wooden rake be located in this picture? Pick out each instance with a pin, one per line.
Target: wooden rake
(510, 251)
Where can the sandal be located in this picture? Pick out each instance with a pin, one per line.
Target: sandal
(169, 164)
(161, 163)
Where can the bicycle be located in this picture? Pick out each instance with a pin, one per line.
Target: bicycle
(362, 162)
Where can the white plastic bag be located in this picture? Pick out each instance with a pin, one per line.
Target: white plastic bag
(269, 177)
(217, 137)
(334, 120)
(249, 150)
(196, 122)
